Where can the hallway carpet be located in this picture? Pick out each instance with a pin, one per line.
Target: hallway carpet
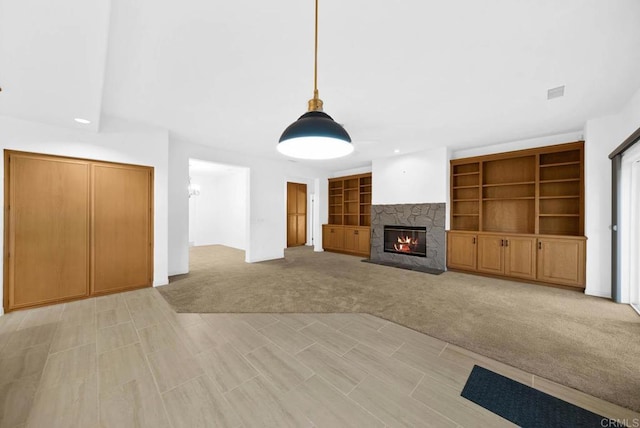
(583, 342)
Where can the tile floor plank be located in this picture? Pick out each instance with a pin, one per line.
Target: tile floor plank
(198, 403)
(73, 403)
(365, 333)
(329, 337)
(243, 337)
(325, 406)
(338, 371)
(286, 337)
(20, 363)
(295, 321)
(394, 372)
(66, 366)
(135, 403)
(116, 336)
(16, 399)
(226, 367)
(259, 404)
(281, 369)
(172, 367)
(394, 407)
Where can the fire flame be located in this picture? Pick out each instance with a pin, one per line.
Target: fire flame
(405, 244)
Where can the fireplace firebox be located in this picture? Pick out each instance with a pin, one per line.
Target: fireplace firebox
(408, 240)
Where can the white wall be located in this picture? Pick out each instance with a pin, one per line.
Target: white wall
(218, 214)
(352, 171)
(119, 141)
(267, 214)
(530, 143)
(420, 177)
(602, 136)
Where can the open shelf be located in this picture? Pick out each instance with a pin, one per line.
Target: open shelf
(350, 200)
(560, 164)
(508, 199)
(534, 191)
(508, 184)
(559, 215)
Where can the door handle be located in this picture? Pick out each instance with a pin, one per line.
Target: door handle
(506, 242)
(502, 242)
(474, 240)
(539, 245)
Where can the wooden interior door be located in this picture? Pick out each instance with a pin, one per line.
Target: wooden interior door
(296, 214)
(122, 227)
(46, 229)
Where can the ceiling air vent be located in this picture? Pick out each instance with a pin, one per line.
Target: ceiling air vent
(555, 92)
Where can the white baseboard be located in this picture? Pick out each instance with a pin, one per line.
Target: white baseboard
(601, 294)
(159, 282)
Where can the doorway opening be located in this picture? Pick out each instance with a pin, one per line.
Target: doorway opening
(630, 227)
(625, 214)
(296, 214)
(218, 204)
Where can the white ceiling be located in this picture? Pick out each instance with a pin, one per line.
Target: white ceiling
(404, 75)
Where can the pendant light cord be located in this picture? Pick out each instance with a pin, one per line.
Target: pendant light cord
(315, 104)
(315, 62)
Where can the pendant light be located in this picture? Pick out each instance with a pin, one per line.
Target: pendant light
(315, 135)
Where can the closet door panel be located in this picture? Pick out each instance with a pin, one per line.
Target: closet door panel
(122, 227)
(48, 229)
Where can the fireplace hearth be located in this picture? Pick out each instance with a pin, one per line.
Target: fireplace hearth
(406, 240)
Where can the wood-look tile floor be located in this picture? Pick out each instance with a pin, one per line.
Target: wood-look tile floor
(128, 360)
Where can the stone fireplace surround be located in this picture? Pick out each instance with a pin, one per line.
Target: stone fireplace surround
(430, 215)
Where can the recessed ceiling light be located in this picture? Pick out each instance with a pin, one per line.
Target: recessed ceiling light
(82, 121)
(396, 151)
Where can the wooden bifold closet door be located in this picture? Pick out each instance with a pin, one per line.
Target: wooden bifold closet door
(74, 228)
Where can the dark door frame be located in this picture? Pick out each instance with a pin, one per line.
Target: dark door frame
(616, 172)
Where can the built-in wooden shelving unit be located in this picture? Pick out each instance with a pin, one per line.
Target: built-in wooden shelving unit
(349, 226)
(537, 192)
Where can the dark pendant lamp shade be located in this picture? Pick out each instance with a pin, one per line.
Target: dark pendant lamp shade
(315, 135)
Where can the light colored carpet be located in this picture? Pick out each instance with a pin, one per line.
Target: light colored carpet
(584, 342)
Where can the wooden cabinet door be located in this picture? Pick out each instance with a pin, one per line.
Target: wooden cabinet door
(356, 240)
(351, 235)
(520, 257)
(364, 241)
(562, 261)
(490, 254)
(48, 229)
(461, 251)
(296, 214)
(332, 237)
(122, 227)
